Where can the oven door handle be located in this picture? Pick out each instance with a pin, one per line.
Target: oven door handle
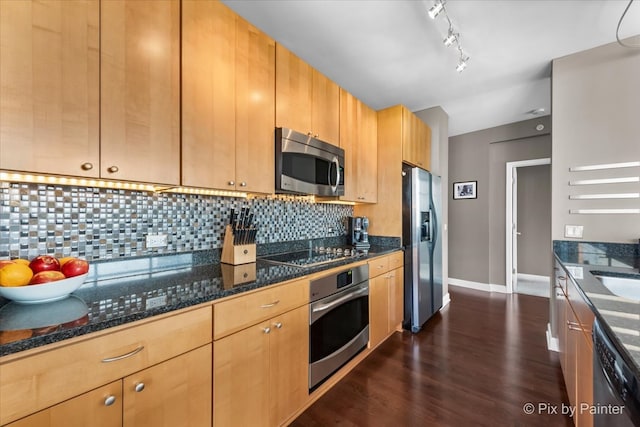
(320, 308)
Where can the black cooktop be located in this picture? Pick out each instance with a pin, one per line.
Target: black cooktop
(314, 257)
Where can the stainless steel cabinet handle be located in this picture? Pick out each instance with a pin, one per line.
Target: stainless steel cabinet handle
(309, 133)
(266, 330)
(113, 169)
(316, 135)
(574, 326)
(231, 183)
(139, 387)
(270, 305)
(110, 400)
(278, 325)
(124, 356)
(243, 184)
(87, 166)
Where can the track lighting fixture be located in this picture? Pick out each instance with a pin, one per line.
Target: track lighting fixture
(453, 38)
(436, 9)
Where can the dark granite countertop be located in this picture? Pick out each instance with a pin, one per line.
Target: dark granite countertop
(620, 316)
(122, 291)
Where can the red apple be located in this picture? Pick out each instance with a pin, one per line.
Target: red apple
(75, 267)
(46, 277)
(44, 263)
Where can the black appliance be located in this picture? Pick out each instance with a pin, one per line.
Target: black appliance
(338, 321)
(616, 390)
(306, 165)
(358, 232)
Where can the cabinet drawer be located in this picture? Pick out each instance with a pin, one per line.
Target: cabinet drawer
(238, 313)
(396, 260)
(378, 266)
(40, 380)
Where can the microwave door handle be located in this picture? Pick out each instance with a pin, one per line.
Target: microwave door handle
(336, 162)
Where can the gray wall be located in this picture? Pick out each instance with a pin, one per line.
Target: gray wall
(534, 219)
(596, 120)
(477, 226)
(438, 121)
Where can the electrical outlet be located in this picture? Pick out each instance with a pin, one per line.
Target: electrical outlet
(157, 241)
(154, 302)
(573, 231)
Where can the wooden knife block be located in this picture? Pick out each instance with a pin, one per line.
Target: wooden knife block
(236, 254)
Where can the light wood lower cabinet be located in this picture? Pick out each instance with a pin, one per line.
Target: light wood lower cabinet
(261, 373)
(101, 407)
(174, 393)
(574, 327)
(386, 297)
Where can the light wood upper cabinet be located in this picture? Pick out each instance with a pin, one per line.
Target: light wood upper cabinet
(416, 141)
(306, 100)
(228, 85)
(140, 90)
(49, 81)
(325, 110)
(402, 136)
(255, 109)
(358, 137)
(208, 94)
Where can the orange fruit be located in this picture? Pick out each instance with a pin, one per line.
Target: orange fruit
(15, 275)
(21, 261)
(64, 260)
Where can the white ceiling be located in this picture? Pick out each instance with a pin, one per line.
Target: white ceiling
(389, 52)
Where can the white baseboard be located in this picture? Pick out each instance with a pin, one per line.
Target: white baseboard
(487, 287)
(446, 299)
(552, 343)
(533, 277)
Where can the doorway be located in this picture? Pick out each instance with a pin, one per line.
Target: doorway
(534, 217)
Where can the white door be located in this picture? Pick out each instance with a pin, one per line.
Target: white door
(514, 230)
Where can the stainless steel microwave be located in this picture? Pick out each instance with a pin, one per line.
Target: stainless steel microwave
(306, 165)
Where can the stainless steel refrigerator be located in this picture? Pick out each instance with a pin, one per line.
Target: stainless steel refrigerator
(422, 241)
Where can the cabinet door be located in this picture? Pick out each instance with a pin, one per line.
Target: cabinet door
(171, 394)
(325, 109)
(101, 407)
(241, 378)
(289, 368)
(378, 309)
(349, 134)
(396, 299)
(255, 109)
(367, 170)
(140, 90)
(571, 355)
(293, 91)
(208, 94)
(584, 376)
(49, 74)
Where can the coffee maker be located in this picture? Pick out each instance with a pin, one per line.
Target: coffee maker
(358, 232)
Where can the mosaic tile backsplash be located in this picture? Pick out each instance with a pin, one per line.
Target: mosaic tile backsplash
(97, 223)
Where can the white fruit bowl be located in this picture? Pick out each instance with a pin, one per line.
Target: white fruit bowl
(45, 292)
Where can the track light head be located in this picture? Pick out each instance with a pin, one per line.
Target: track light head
(436, 9)
(462, 64)
(451, 38)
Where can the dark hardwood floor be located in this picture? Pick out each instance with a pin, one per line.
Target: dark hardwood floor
(476, 363)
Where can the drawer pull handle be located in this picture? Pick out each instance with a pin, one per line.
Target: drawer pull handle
(87, 166)
(266, 330)
(278, 325)
(124, 356)
(113, 169)
(574, 326)
(110, 400)
(270, 305)
(139, 387)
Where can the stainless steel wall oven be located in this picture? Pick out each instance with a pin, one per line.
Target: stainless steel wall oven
(338, 321)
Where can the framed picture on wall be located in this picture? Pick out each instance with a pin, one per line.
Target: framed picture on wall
(465, 190)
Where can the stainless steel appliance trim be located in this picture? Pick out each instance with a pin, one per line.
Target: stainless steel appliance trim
(318, 308)
(319, 370)
(336, 162)
(308, 140)
(326, 285)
